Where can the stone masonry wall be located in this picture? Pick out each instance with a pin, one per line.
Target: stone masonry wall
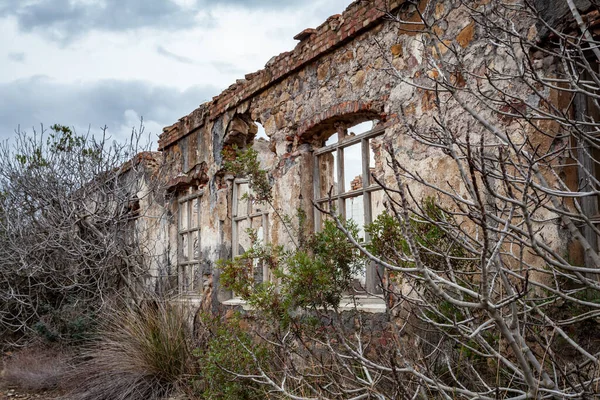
(352, 68)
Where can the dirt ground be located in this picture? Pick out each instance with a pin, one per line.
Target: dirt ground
(32, 367)
(10, 394)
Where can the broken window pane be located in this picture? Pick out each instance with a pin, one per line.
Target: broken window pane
(355, 211)
(361, 128)
(243, 199)
(375, 159)
(323, 217)
(183, 216)
(372, 163)
(258, 206)
(196, 280)
(377, 203)
(258, 228)
(244, 242)
(184, 247)
(195, 245)
(195, 206)
(333, 139)
(352, 167)
(184, 278)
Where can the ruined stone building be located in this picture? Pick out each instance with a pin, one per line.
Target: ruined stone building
(321, 117)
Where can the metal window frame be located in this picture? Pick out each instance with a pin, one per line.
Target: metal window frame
(185, 268)
(341, 195)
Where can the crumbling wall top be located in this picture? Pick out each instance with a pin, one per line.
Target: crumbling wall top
(360, 16)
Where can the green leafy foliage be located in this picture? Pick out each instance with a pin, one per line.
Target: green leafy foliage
(322, 273)
(316, 275)
(228, 350)
(316, 272)
(61, 141)
(436, 245)
(387, 239)
(245, 163)
(70, 324)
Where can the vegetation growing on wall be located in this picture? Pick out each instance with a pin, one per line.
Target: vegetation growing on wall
(488, 246)
(486, 289)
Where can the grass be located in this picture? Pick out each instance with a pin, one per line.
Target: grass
(143, 354)
(35, 369)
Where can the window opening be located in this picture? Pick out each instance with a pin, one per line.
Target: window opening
(260, 134)
(248, 214)
(362, 128)
(344, 168)
(189, 270)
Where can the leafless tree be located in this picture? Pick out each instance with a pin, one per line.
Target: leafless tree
(492, 284)
(70, 230)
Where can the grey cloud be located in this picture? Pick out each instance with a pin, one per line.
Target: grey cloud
(182, 59)
(38, 100)
(64, 20)
(17, 57)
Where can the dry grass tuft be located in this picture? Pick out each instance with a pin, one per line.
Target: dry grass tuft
(143, 353)
(35, 369)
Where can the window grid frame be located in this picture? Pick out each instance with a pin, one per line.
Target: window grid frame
(185, 268)
(249, 216)
(341, 195)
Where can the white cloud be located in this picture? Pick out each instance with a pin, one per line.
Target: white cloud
(161, 63)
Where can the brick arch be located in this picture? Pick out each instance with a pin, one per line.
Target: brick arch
(349, 112)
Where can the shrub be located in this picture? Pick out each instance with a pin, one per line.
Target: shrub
(143, 353)
(315, 275)
(67, 240)
(69, 324)
(229, 353)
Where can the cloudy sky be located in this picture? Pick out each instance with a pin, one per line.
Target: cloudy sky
(91, 63)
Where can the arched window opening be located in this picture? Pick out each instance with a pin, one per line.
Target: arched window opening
(344, 174)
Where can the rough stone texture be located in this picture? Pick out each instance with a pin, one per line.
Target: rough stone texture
(556, 13)
(338, 75)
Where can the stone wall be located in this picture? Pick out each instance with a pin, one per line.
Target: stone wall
(357, 66)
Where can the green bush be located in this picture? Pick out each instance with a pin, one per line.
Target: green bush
(315, 275)
(228, 353)
(70, 324)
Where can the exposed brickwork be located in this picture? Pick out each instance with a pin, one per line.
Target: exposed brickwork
(348, 108)
(306, 33)
(359, 17)
(355, 67)
(183, 127)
